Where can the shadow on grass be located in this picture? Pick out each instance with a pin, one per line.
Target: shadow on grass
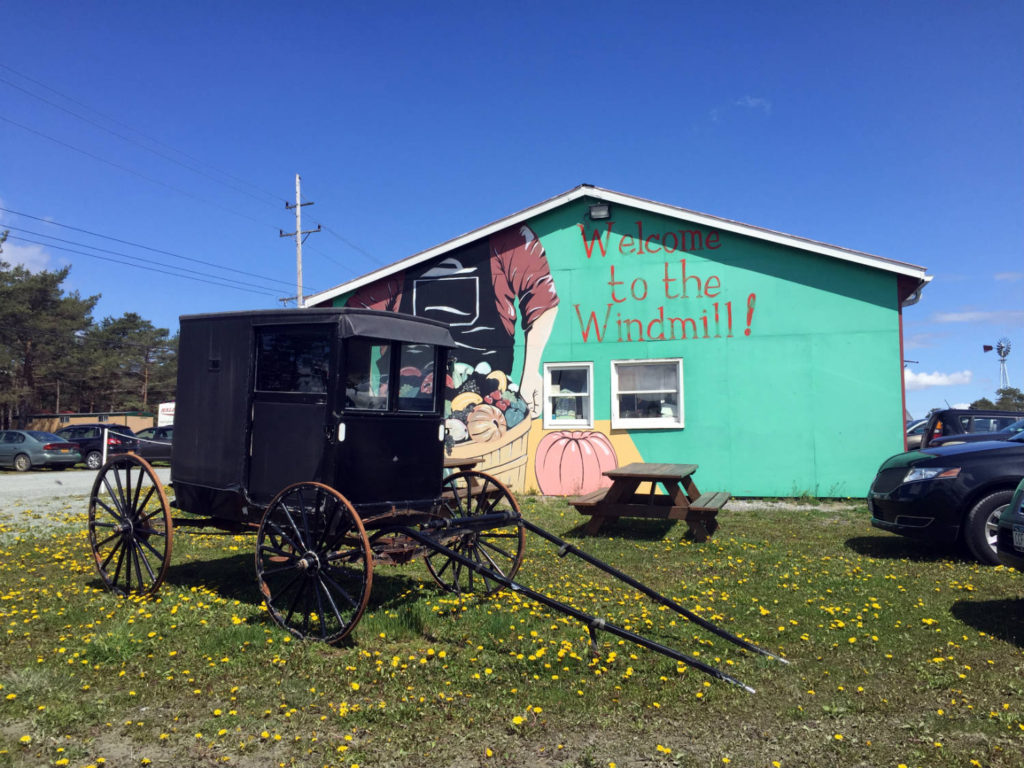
(901, 548)
(1000, 618)
(631, 528)
(234, 578)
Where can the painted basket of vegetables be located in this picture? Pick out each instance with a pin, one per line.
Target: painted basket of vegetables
(488, 420)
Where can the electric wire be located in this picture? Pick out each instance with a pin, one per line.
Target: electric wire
(115, 121)
(132, 171)
(140, 266)
(374, 261)
(144, 247)
(129, 256)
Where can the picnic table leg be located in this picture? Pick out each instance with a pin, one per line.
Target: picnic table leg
(595, 523)
(691, 488)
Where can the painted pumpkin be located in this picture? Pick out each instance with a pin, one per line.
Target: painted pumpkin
(568, 463)
(486, 424)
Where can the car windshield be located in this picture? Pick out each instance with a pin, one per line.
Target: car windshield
(1018, 438)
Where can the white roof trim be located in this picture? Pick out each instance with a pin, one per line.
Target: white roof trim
(662, 209)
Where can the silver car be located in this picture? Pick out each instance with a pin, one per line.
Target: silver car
(24, 449)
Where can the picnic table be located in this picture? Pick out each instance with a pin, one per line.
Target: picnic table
(681, 500)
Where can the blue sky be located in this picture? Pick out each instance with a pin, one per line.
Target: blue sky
(891, 128)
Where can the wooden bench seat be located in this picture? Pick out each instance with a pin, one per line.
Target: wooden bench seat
(710, 502)
(591, 499)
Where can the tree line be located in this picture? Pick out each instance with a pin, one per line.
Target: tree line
(1007, 399)
(54, 357)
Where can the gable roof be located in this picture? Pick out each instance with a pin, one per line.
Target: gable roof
(913, 277)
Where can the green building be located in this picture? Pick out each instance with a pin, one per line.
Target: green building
(596, 328)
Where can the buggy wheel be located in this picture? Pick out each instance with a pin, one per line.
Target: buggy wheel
(130, 526)
(313, 562)
(499, 549)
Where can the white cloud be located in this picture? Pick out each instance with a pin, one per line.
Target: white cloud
(1005, 316)
(33, 257)
(755, 102)
(914, 380)
(1010, 277)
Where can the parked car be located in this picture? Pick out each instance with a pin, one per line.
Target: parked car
(1010, 534)
(120, 439)
(976, 437)
(23, 449)
(958, 421)
(155, 443)
(950, 493)
(915, 431)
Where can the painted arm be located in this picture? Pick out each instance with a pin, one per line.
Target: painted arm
(532, 385)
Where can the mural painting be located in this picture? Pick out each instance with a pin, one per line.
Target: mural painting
(494, 388)
(481, 291)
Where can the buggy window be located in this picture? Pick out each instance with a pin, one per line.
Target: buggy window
(292, 360)
(416, 377)
(367, 367)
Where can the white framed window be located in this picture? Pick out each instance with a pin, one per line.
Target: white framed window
(647, 394)
(568, 395)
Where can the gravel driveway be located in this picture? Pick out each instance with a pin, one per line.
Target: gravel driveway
(44, 498)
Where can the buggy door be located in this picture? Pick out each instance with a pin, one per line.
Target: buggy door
(289, 407)
(389, 431)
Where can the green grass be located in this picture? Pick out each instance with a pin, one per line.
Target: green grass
(900, 655)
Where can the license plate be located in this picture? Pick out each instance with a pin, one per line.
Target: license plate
(1018, 538)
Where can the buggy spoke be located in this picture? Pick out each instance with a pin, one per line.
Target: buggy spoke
(107, 540)
(113, 551)
(113, 514)
(334, 607)
(144, 559)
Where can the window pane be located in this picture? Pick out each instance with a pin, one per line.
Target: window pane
(416, 377)
(647, 377)
(292, 360)
(366, 374)
(569, 381)
(575, 408)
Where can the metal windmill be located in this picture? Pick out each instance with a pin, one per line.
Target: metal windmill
(1003, 350)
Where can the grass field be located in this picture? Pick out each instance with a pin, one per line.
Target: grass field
(901, 656)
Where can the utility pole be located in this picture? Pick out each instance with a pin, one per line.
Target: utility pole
(298, 238)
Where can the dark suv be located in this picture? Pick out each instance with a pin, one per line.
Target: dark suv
(120, 439)
(956, 421)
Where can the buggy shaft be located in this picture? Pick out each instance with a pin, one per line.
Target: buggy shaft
(593, 623)
(567, 548)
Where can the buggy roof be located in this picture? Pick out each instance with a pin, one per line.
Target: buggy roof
(376, 324)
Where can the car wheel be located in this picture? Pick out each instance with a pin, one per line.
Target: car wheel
(93, 459)
(22, 463)
(981, 525)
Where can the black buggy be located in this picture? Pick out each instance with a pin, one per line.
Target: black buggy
(322, 432)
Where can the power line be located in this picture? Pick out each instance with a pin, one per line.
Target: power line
(139, 266)
(374, 261)
(144, 247)
(138, 258)
(132, 171)
(115, 121)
